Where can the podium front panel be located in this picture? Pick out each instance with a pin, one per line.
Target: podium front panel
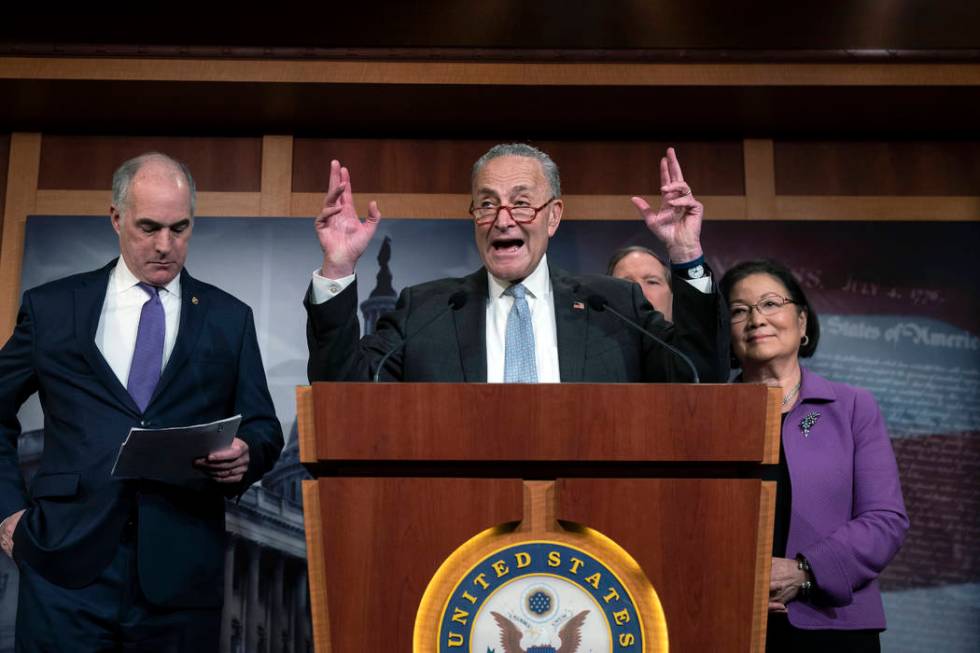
(695, 539)
(382, 540)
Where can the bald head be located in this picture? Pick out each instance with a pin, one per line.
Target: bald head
(155, 166)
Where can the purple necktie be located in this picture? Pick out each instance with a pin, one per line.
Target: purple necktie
(144, 372)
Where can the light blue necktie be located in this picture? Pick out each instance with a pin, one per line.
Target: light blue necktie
(519, 362)
(144, 372)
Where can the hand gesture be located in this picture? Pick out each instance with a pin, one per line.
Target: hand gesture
(343, 237)
(226, 465)
(677, 223)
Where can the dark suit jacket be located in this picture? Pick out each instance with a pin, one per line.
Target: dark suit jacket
(76, 512)
(592, 346)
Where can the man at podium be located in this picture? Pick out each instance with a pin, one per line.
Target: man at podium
(518, 319)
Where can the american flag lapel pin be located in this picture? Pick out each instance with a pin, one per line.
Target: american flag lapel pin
(578, 306)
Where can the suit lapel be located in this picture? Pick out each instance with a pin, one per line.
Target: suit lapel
(471, 328)
(571, 322)
(89, 299)
(193, 309)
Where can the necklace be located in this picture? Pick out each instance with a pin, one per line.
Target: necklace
(792, 393)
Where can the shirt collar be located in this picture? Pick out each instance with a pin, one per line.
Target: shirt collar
(123, 279)
(538, 283)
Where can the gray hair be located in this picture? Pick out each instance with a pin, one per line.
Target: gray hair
(623, 252)
(122, 178)
(549, 167)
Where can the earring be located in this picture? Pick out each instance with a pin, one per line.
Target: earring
(805, 341)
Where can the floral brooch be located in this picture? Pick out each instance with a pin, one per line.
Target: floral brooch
(807, 423)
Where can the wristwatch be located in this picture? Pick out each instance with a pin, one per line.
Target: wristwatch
(696, 272)
(690, 270)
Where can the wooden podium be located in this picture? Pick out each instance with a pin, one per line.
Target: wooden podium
(406, 473)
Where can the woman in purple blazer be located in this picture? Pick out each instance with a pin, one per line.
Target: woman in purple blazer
(840, 517)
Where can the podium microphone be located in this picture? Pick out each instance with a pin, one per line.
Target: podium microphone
(456, 301)
(600, 303)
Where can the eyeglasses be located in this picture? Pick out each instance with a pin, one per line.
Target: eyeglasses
(521, 214)
(766, 306)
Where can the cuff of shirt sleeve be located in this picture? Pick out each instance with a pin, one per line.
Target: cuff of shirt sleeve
(703, 284)
(325, 289)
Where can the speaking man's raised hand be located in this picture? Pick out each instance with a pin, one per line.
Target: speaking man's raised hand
(343, 236)
(677, 223)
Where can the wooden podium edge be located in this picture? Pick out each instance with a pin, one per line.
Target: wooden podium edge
(763, 564)
(316, 572)
(305, 424)
(772, 441)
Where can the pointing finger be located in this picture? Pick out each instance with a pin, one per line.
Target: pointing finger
(333, 179)
(675, 166)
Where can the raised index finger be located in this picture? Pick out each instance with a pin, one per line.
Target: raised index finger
(664, 172)
(333, 181)
(674, 165)
(334, 186)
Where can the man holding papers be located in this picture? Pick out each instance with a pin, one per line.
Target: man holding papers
(108, 563)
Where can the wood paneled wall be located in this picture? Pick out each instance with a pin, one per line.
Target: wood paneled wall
(442, 166)
(587, 167)
(466, 94)
(851, 168)
(87, 163)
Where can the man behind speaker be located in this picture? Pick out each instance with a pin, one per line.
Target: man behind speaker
(126, 565)
(645, 267)
(524, 319)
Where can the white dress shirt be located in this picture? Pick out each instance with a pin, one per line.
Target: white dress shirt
(542, 304)
(120, 318)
